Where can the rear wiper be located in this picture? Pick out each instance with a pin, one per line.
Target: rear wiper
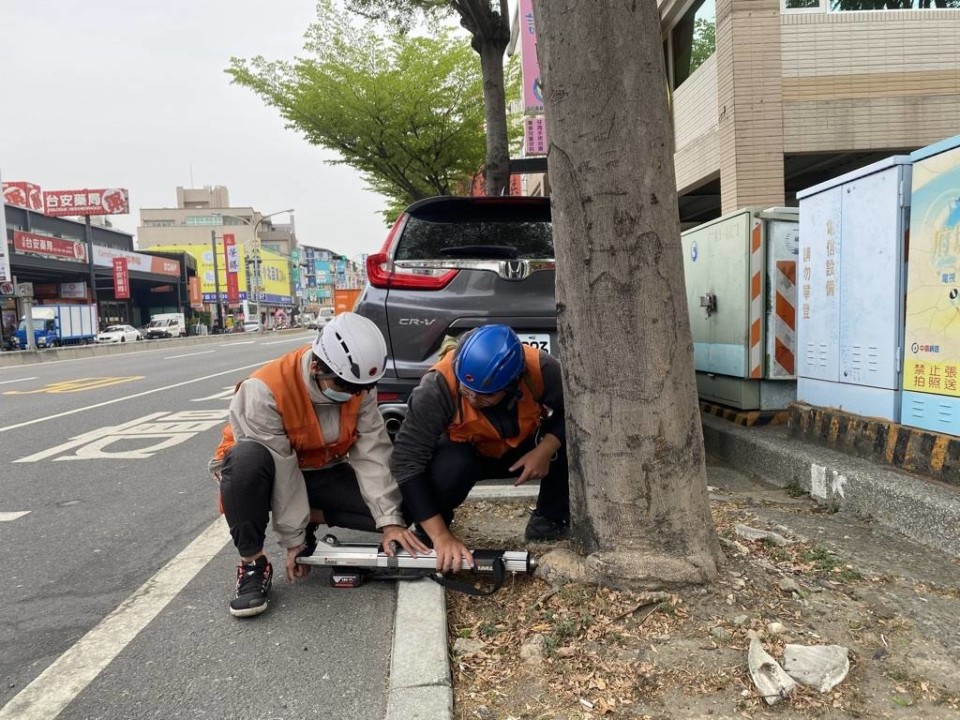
(481, 251)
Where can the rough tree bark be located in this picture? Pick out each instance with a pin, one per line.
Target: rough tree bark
(640, 507)
(490, 31)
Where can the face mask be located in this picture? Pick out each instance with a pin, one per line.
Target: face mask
(335, 395)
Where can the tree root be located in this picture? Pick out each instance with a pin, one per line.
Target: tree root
(633, 570)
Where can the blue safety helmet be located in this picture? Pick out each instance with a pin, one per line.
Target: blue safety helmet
(490, 359)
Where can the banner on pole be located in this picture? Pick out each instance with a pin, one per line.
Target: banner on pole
(121, 279)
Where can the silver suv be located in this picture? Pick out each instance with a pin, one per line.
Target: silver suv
(451, 264)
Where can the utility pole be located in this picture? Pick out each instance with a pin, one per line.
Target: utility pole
(88, 236)
(216, 278)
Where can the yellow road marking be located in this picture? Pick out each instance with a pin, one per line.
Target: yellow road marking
(78, 385)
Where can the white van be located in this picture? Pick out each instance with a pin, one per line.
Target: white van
(166, 325)
(324, 316)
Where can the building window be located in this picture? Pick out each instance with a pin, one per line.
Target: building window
(802, 6)
(799, 6)
(203, 220)
(693, 39)
(158, 223)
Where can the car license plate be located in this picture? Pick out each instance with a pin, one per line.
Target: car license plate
(536, 340)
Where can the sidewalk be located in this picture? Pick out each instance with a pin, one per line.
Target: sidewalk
(879, 507)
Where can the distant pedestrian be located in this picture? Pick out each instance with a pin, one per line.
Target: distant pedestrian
(306, 443)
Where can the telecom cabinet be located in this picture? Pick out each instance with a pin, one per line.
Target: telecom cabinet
(740, 275)
(931, 398)
(853, 230)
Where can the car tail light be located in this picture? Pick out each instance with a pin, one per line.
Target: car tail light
(387, 397)
(382, 273)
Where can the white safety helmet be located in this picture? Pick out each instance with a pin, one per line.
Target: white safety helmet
(353, 348)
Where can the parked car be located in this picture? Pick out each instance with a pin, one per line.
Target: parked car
(323, 317)
(166, 325)
(119, 334)
(252, 326)
(451, 264)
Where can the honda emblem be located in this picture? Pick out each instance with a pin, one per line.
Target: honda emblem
(514, 269)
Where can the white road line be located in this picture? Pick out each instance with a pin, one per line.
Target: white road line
(72, 672)
(165, 388)
(237, 342)
(204, 352)
(224, 394)
(4, 382)
(8, 516)
(298, 339)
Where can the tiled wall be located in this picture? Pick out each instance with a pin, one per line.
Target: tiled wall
(695, 126)
(869, 80)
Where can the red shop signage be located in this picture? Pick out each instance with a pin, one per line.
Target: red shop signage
(24, 242)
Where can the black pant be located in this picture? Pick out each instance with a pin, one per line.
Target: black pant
(457, 467)
(246, 488)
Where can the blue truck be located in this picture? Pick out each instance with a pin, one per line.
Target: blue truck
(57, 325)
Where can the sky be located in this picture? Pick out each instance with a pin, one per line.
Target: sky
(133, 94)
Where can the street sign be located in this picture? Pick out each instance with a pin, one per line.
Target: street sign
(24, 289)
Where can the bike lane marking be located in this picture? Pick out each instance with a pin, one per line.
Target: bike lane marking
(131, 440)
(165, 388)
(58, 685)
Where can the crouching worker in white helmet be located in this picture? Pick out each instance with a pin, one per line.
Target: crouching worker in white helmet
(285, 452)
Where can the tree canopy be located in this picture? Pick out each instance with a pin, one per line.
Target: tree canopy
(404, 110)
(488, 23)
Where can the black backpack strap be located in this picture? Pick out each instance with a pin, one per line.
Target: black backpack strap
(499, 575)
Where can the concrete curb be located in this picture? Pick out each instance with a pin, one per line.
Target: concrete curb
(420, 684)
(420, 687)
(921, 509)
(880, 441)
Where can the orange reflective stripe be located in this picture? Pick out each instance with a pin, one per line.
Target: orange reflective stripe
(470, 425)
(300, 422)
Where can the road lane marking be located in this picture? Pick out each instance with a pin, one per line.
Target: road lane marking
(8, 516)
(237, 342)
(175, 357)
(224, 394)
(78, 385)
(5, 382)
(165, 388)
(164, 429)
(58, 685)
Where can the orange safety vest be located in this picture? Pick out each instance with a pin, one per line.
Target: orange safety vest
(282, 376)
(470, 425)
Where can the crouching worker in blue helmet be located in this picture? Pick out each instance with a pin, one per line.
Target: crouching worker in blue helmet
(306, 444)
(491, 408)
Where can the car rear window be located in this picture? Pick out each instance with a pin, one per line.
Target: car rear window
(463, 230)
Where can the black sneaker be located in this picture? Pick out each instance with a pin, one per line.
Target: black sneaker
(542, 529)
(253, 584)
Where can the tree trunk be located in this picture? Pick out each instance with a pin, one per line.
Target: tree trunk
(639, 500)
(495, 111)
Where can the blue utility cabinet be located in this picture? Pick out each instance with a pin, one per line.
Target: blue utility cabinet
(851, 287)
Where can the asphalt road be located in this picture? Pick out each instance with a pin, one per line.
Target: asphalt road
(116, 569)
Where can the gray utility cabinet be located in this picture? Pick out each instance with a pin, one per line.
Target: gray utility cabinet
(852, 280)
(740, 275)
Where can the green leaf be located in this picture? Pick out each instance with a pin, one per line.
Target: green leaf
(404, 110)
